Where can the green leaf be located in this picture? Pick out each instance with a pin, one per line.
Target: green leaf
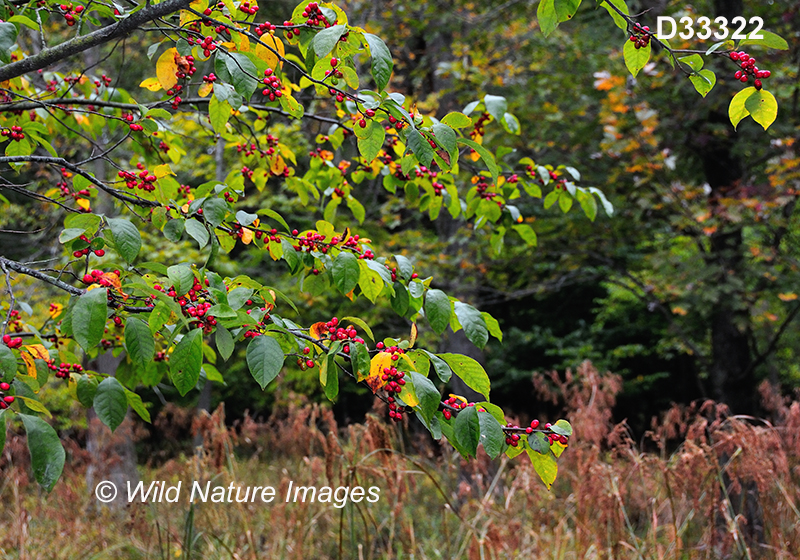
(173, 229)
(547, 16)
(526, 233)
(69, 234)
(768, 39)
(545, 466)
(492, 325)
(181, 277)
(467, 430)
(485, 154)
(565, 9)
(419, 146)
(214, 211)
(400, 299)
(110, 403)
(186, 360)
(219, 112)
(737, 110)
(618, 19)
(225, 344)
(86, 389)
(382, 63)
(562, 428)
(370, 281)
(127, 239)
(371, 142)
(325, 40)
(496, 105)
(635, 59)
(47, 453)
(440, 366)
(763, 107)
(264, 359)
(237, 297)
(8, 363)
(437, 310)
(158, 317)
(89, 318)
(446, 138)
(429, 398)
(359, 357)
(511, 124)
(137, 405)
(694, 61)
(198, 232)
(473, 324)
(492, 436)
(539, 442)
(8, 36)
(470, 372)
(139, 341)
(221, 310)
(457, 120)
(243, 74)
(703, 81)
(345, 271)
(329, 374)
(564, 201)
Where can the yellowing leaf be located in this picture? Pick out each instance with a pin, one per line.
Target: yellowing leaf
(679, 311)
(247, 236)
(379, 361)
(318, 331)
(205, 89)
(166, 68)
(29, 363)
(83, 203)
(762, 107)
(151, 84)
(268, 54)
(277, 166)
(38, 351)
(413, 338)
(790, 296)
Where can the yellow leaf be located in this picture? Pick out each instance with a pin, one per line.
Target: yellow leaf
(244, 44)
(38, 351)
(151, 84)
(413, 338)
(166, 68)
(268, 53)
(409, 397)
(790, 296)
(278, 165)
(205, 89)
(162, 170)
(30, 364)
(83, 203)
(379, 361)
(679, 311)
(459, 397)
(247, 236)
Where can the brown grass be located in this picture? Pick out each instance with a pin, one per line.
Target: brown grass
(710, 486)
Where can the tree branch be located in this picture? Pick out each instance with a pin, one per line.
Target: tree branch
(79, 44)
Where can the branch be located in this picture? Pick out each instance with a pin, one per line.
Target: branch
(21, 268)
(79, 44)
(75, 169)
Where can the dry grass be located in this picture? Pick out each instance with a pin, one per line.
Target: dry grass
(710, 486)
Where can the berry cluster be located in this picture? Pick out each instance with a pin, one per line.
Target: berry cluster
(305, 363)
(144, 181)
(455, 403)
(83, 252)
(394, 383)
(14, 323)
(194, 304)
(207, 44)
(349, 334)
(273, 83)
(12, 342)
(483, 188)
(63, 370)
(640, 36)
(477, 130)
(99, 277)
(265, 27)
(247, 8)
(748, 68)
(211, 78)
(70, 12)
(6, 399)
(15, 132)
(106, 81)
(314, 15)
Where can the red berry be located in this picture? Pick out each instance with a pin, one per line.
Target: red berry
(100, 252)
(4, 386)
(310, 363)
